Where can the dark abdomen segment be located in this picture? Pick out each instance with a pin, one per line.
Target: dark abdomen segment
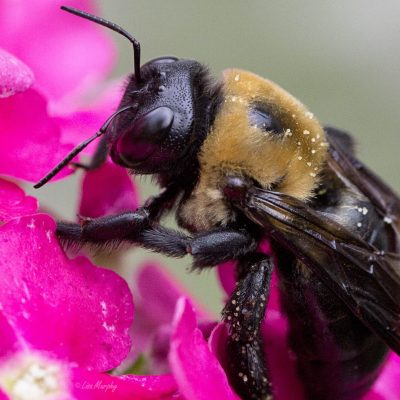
(338, 358)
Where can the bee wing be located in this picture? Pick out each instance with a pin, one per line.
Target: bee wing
(342, 161)
(366, 279)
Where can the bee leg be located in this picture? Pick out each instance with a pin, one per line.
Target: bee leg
(98, 159)
(244, 314)
(207, 248)
(104, 230)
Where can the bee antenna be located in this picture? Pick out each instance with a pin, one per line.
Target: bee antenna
(116, 28)
(79, 148)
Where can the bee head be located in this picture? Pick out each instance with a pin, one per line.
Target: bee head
(158, 129)
(163, 117)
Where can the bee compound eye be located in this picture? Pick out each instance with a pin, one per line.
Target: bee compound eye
(146, 135)
(154, 125)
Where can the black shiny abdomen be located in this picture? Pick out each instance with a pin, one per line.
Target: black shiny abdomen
(338, 357)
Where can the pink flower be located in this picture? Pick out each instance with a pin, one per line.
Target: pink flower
(66, 54)
(63, 323)
(107, 190)
(43, 114)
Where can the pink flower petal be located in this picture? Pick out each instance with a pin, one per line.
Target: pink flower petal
(107, 190)
(281, 360)
(15, 76)
(217, 343)
(96, 386)
(66, 53)
(9, 342)
(14, 203)
(80, 121)
(227, 278)
(387, 387)
(156, 295)
(159, 292)
(72, 309)
(196, 369)
(30, 139)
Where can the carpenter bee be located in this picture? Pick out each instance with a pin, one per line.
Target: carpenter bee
(241, 159)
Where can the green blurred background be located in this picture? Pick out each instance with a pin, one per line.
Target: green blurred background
(341, 58)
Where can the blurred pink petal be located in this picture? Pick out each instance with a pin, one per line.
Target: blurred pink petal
(96, 386)
(156, 295)
(217, 343)
(14, 203)
(66, 53)
(83, 118)
(387, 387)
(72, 309)
(227, 277)
(15, 76)
(107, 190)
(159, 291)
(196, 369)
(281, 361)
(9, 342)
(3, 396)
(30, 138)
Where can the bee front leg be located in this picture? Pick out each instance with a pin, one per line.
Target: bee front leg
(244, 314)
(207, 249)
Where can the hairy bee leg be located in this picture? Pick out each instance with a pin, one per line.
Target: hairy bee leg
(104, 230)
(207, 249)
(98, 159)
(244, 314)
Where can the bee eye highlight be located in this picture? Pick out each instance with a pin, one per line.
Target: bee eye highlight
(264, 120)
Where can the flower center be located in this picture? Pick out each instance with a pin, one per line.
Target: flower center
(31, 377)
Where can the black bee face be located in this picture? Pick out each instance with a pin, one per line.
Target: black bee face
(156, 133)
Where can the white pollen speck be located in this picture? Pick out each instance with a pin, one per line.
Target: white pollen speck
(359, 224)
(309, 164)
(365, 210)
(299, 157)
(313, 174)
(293, 115)
(313, 151)
(309, 115)
(306, 132)
(288, 132)
(237, 77)
(318, 136)
(315, 168)
(298, 143)
(388, 220)
(103, 307)
(233, 98)
(108, 328)
(31, 224)
(313, 139)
